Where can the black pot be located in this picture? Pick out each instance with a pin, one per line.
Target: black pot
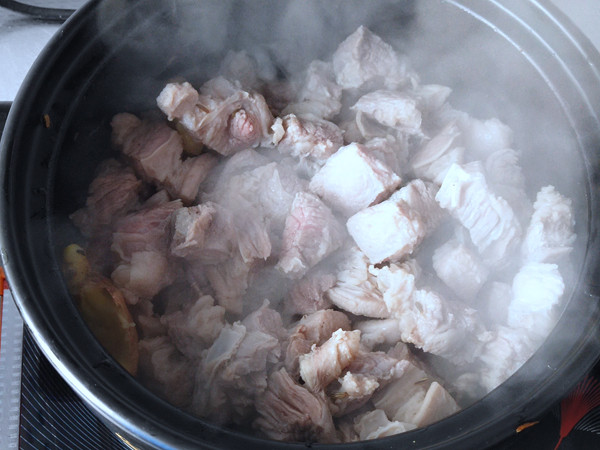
(520, 61)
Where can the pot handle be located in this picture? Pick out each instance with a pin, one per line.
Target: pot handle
(38, 12)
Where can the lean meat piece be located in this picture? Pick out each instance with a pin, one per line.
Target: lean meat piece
(155, 151)
(289, 412)
(303, 137)
(364, 60)
(375, 425)
(434, 158)
(319, 95)
(307, 295)
(492, 225)
(311, 233)
(325, 363)
(550, 236)
(371, 180)
(112, 194)
(166, 371)
(195, 328)
(460, 269)
(392, 109)
(537, 291)
(356, 288)
(222, 116)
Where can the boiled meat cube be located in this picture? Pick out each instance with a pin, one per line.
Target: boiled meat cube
(397, 282)
(113, 193)
(356, 288)
(351, 180)
(195, 328)
(431, 97)
(319, 95)
(325, 363)
(483, 137)
(434, 158)
(550, 236)
(155, 151)
(354, 391)
(166, 371)
(460, 268)
(230, 280)
(387, 231)
(307, 295)
(493, 302)
(379, 332)
(223, 116)
(302, 137)
(311, 233)
(537, 291)
(288, 411)
(313, 329)
(266, 320)
(391, 109)
(392, 151)
(375, 425)
(492, 225)
(419, 196)
(364, 60)
(506, 178)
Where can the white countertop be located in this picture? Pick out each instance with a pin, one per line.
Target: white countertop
(21, 39)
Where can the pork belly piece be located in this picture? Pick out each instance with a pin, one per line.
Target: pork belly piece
(375, 424)
(155, 151)
(307, 295)
(223, 116)
(112, 194)
(537, 290)
(318, 95)
(492, 225)
(233, 373)
(302, 137)
(506, 179)
(356, 288)
(166, 371)
(312, 329)
(230, 280)
(311, 233)
(482, 137)
(393, 109)
(397, 283)
(325, 363)
(433, 159)
(352, 180)
(364, 60)
(420, 197)
(415, 398)
(376, 332)
(144, 230)
(460, 269)
(393, 152)
(550, 236)
(194, 328)
(289, 412)
(387, 231)
(143, 275)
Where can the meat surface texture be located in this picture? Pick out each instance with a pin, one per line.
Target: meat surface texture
(336, 256)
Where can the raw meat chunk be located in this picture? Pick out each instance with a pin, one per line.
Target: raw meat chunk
(537, 290)
(391, 109)
(301, 137)
(223, 116)
(311, 233)
(288, 411)
(325, 363)
(356, 288)
(371, 180)
(319, 95)
(364, 60)
(460, 268)
(434, 158)
(550, 236)
(492, 225)
(375, 425)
